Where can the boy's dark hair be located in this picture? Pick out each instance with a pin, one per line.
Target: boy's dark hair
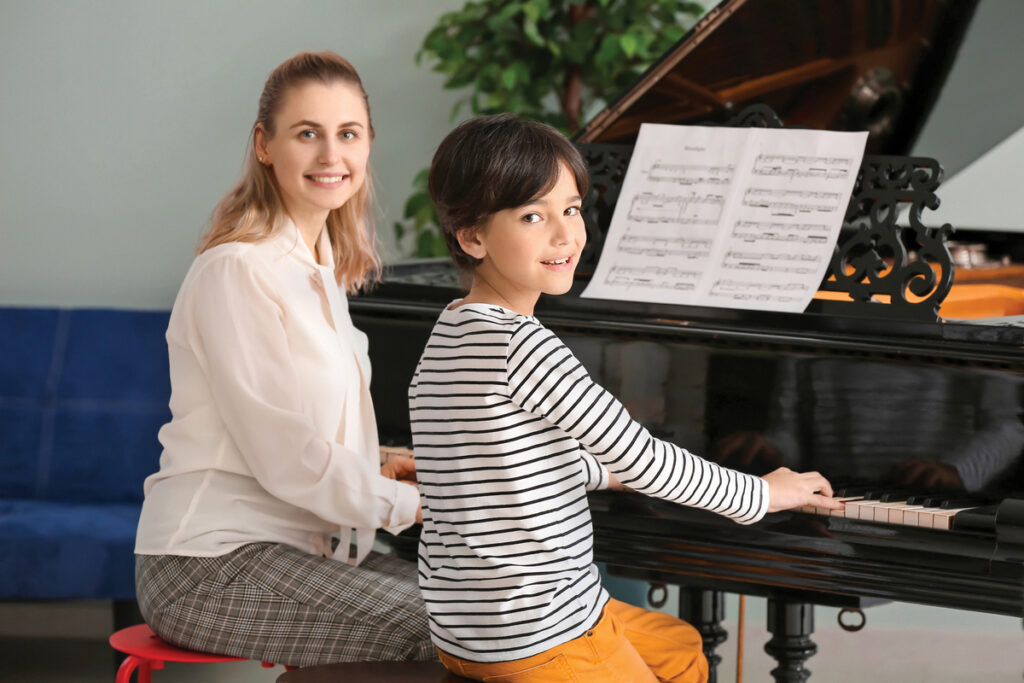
(492, 163)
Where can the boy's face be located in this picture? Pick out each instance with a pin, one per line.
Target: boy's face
(531, 249)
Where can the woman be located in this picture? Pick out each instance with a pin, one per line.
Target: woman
(256, 533)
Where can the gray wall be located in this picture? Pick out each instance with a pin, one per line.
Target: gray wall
(982, 102)
(124, 121)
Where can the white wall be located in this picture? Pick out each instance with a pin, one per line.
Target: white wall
(122, 122)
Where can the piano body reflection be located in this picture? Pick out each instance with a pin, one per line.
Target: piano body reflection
(917, 418)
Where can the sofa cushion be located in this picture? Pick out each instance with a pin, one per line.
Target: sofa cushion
(112, 398)
(54, 551)
(27, 339)
(82, 395)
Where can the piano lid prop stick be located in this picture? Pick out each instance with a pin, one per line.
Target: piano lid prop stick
(741, 621)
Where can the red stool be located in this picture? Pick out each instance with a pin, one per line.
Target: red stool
(146, 652)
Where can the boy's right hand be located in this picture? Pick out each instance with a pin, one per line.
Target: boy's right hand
(788, 489)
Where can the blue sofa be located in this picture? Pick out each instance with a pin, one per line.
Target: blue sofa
(82, 396)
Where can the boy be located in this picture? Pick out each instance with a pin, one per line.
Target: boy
(509, 432)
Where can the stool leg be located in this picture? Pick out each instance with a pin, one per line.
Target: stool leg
(131, 664)
(128, 666)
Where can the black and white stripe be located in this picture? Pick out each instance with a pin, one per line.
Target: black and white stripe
(509, 430)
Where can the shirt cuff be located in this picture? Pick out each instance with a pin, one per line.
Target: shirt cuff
(405, 503)
(762, 509)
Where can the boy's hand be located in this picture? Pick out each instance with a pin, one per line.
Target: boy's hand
(788, 489)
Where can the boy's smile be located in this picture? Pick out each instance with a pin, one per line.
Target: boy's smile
(528, 250)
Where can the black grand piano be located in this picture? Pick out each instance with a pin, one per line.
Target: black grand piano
(888, 384)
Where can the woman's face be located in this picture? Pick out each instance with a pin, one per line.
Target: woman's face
(319, 150)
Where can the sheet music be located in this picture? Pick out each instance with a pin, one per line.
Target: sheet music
(730, 217)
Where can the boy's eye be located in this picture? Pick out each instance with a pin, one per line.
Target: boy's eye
(531, 218)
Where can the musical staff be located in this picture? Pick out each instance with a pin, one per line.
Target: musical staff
(754, 291)
(796, 166)
(664, 247)
(653, 277)
(758, 231)
(687, 209)
(690, 174)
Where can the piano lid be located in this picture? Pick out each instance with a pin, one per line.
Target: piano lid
(875, 65)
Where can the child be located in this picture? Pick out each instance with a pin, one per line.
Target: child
(509, 432)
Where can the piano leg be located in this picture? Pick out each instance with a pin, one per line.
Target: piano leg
(791, 625)
(705, 610)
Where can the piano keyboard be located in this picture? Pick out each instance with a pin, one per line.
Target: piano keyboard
(920, 510)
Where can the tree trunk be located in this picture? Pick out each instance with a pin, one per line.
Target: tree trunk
(573, 92)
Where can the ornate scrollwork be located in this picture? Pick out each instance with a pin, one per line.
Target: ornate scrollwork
(756, 116)
(607, 165)
(873, 257)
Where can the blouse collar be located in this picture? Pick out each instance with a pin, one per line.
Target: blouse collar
(286, 234)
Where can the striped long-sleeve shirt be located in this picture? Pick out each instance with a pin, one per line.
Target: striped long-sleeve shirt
(506, 425)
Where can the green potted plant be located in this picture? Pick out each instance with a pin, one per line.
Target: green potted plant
(555, 61)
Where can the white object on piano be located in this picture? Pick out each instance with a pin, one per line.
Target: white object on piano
(728, 217)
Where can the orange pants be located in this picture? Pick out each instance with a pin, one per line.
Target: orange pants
(627, 645)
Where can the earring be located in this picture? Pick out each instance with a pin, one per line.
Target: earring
(258, 157)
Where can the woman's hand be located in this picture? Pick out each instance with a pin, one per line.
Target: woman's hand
(788, 489)
(927, 474)
(398, 463)
(747, 451)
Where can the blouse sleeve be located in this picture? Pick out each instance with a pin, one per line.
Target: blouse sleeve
(239, 333)
(545, 379)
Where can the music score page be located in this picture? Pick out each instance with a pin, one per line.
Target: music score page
(728, 217)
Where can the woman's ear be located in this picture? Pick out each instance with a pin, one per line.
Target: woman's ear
(259, 142)
(469, 240)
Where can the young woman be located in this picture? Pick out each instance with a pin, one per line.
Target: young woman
(256, 533)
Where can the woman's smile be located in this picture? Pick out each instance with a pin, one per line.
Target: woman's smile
(328, 181)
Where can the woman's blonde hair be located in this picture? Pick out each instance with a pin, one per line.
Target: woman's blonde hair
(251, 210)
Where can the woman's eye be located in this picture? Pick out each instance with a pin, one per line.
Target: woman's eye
(307, 134)
(348, 135)
(572, 211)
(531, 218)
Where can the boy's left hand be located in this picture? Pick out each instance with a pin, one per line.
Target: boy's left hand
(788, 489)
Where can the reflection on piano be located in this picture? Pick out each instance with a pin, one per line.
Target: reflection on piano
(917, 421)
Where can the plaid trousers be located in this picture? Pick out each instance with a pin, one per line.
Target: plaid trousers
(275, 603)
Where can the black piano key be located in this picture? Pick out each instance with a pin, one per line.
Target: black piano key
(954, 503)
(896, 495)
(848, 491)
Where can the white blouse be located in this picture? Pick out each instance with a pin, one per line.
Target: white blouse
(272, 436)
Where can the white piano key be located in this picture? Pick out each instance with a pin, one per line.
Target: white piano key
(904, 515)
(882, 509)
